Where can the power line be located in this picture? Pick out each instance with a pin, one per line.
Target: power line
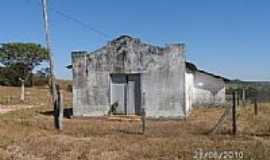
(78, 21)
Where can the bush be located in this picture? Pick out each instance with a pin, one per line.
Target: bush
(40, 80)
(69, 88)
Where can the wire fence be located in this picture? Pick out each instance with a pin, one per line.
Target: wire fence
(249, 95)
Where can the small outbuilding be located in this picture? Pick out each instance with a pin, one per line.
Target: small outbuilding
(127, 75)
(208, 89)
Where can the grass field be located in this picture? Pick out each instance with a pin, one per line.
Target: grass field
(28, 133)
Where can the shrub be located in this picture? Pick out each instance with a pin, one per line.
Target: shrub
(69, 88)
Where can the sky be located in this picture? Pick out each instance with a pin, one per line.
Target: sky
(225, 37)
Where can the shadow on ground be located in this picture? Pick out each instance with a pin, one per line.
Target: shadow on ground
(129, 132)
(68, 112)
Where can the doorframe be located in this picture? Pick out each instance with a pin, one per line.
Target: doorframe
(126, 90)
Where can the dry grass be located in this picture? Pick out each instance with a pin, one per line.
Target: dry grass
(28, 134)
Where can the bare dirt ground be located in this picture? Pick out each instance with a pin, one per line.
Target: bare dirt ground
(9, 108)
(28, 133)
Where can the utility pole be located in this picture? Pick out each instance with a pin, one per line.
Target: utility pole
(51, 61)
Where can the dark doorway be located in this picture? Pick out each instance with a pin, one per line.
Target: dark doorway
(126, 93)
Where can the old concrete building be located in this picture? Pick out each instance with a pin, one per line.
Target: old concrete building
(131, 75)
(128, 75)
(208, 89)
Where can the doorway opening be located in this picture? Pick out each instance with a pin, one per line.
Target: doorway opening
(125, 95)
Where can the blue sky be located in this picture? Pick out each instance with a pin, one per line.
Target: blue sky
(226, 37)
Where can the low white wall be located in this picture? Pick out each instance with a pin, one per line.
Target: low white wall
(208, 90)
(189, 78)
(203, 97)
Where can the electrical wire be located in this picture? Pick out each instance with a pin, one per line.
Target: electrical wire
(77, 21)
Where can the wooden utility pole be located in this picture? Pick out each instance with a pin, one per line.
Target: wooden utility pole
(59, 109)
(51, 59)
(234, 127)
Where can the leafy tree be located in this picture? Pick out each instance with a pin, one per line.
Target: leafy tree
(20, 59)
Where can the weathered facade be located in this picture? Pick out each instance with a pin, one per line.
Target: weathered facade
(131, 75)
(208, 89)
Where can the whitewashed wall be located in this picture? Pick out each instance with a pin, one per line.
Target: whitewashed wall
(208, 90)
(189, 91)
(203, 97)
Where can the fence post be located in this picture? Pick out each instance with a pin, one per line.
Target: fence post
(143, 120)
(234, 126)
(22, 89)
(244, 97)
(255, 106)
(237, 98)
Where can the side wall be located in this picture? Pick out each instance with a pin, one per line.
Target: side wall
(208, 90)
